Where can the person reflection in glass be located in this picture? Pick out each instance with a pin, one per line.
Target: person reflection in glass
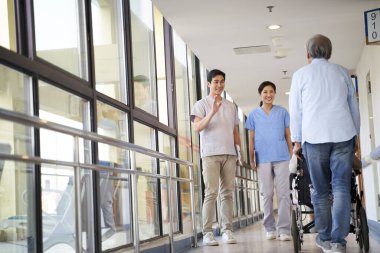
(144, 95)
(107, 119)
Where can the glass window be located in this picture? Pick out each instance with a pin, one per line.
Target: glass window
(183, 124)
(204, 84)
(7, 25)
(160, 63)
(58, 182)
(17, 216)
(195, 137)
(15, 91)
(60, 34)
(114, 187)
(147, 186)
(112, 123)
(115, 207)
(144, 68)
(64, 108)
(166, 145)
(243, 139)
(108, 37)
(182, 98)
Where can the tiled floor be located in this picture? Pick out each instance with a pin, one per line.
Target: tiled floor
(252, 239)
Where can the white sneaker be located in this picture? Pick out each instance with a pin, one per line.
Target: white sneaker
(285, 237)
(271, 235)
(228, 237)
(338, 248)
(324, 245)
(209, 240)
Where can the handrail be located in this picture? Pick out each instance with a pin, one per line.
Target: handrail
(41, 123)
(97, 167)
(77, 133)
(248, 179)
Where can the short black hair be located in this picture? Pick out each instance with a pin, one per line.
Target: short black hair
(213, 73)
(141, 79)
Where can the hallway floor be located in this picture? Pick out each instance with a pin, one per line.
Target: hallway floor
(252, 239)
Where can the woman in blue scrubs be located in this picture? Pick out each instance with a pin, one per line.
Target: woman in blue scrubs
(270, 149)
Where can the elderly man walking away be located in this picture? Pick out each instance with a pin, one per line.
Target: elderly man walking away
(324, 118)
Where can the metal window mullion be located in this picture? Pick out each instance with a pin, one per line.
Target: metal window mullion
(134, 184)
(192, 200)
(170, 204)
(78, 208)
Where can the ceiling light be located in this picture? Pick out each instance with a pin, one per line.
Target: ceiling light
(287, 93)
(274, 27)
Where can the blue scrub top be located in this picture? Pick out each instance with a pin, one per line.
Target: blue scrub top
(270, 142)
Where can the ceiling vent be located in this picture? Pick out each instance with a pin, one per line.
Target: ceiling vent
(252, 49)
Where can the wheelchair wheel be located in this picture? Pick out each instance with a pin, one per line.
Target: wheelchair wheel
(363, 236)
(295, 233)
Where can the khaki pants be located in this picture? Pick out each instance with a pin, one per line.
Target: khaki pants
(218, 173)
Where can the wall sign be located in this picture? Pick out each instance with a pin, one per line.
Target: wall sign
(372, 26)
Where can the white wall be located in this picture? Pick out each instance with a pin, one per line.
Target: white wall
(369, 63)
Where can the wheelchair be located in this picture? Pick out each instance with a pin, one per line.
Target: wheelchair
(301, 186)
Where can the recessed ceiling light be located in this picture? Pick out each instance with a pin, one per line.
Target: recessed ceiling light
(274, 27)
(287, 93)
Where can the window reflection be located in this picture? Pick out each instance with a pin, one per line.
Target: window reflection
(7, 25)
(143, 53)
(147, 186)
(112, 123)
(195, 138)
(15, 91)
(114, 187)
(58, 205)
(60, 36)
(160, 64)
(203, 75)
(58, 182)
(166, 145)
(59, 106)
(143, 98)
(183, 123)
(242, 132)
(17, 202)
(107, 27)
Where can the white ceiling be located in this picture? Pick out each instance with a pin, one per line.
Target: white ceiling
(212, 28)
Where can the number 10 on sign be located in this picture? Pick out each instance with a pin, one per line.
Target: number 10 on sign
(372, 25)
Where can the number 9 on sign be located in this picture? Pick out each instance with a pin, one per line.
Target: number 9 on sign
(372, 25)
